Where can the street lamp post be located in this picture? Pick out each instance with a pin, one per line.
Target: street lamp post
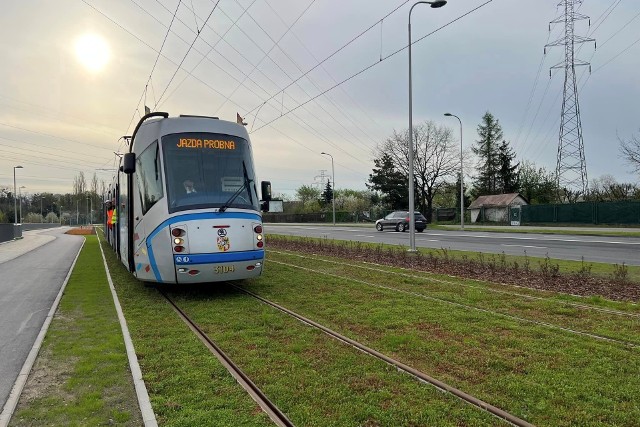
(412, 219)
(461, 175)
(20, 192)
(90, 215)
(15, 204)
(333, 192)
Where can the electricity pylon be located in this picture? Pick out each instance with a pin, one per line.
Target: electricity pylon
(571, 167)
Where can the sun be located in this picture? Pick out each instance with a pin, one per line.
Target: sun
(92, 51)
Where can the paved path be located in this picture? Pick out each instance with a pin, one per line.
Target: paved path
(32, 271)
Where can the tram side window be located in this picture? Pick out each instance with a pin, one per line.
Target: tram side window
(149, 174)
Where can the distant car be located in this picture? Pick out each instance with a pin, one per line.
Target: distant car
(399, 221)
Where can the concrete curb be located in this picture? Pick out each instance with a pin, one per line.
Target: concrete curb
(18, 386)
(148, 416)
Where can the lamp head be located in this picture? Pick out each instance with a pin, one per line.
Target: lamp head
(18, 167)
(323, 153)
(447, 114)
(438, 3)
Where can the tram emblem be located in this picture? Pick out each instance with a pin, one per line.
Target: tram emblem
(223, 243)
(222, 232)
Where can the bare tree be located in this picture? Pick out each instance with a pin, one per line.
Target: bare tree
(435, 159)
(630, 151)
(606, 188)
(94, 184)
(79, 184)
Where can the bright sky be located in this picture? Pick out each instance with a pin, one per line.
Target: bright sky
(74, 72)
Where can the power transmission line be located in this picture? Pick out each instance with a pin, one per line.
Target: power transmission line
(370, 66)
(331, 55)
(156, 61)
(186, 54)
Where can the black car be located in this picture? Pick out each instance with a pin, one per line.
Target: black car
(399, 221)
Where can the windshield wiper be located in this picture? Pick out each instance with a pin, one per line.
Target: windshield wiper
(246, 184)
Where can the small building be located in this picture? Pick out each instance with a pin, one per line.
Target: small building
(495, 208)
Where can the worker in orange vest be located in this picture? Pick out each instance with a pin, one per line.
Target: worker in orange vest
(114, 214)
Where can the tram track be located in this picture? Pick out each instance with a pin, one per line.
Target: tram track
(483, 288)
(423, 377)
(624, 343)
(274, 413)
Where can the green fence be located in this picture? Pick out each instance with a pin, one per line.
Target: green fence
(627, 213)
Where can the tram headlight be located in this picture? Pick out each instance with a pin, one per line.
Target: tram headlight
(259, 237)
(178, 241)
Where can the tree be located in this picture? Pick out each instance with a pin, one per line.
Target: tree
(508, 180)
(308, 196)
(327, 194)
(606, 188)
(630, 151)
(487, 149)
(52, 217)
(537, 185)
(353, 201)
(435, 160)
(390, 182)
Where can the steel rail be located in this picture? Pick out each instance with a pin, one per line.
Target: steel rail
(399, 365)
(276, 415)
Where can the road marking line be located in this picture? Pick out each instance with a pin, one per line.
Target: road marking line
(525, 246)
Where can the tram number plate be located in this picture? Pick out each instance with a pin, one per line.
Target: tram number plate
(221, 269)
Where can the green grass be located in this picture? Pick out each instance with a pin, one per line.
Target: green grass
(547, 307)
(544, 375)
(81, 376)
(315, 380)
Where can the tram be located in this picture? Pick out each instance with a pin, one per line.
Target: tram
(185, 207)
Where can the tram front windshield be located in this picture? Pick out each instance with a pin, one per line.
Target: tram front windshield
(208, 170)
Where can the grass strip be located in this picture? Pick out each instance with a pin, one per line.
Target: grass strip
(595, 269)
(497, 287)
(542, 230)
(478, 295)
(81, 376)
(186, 383)
(529, 370)
(558, 229)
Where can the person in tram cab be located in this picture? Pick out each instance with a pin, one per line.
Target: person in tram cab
(189, 188)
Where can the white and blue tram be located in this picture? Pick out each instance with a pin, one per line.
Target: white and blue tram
(186, 202)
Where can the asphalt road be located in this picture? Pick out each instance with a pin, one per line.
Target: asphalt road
(608, 250)
(32, 271)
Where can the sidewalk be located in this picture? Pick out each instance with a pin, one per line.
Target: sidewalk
(30, 240)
